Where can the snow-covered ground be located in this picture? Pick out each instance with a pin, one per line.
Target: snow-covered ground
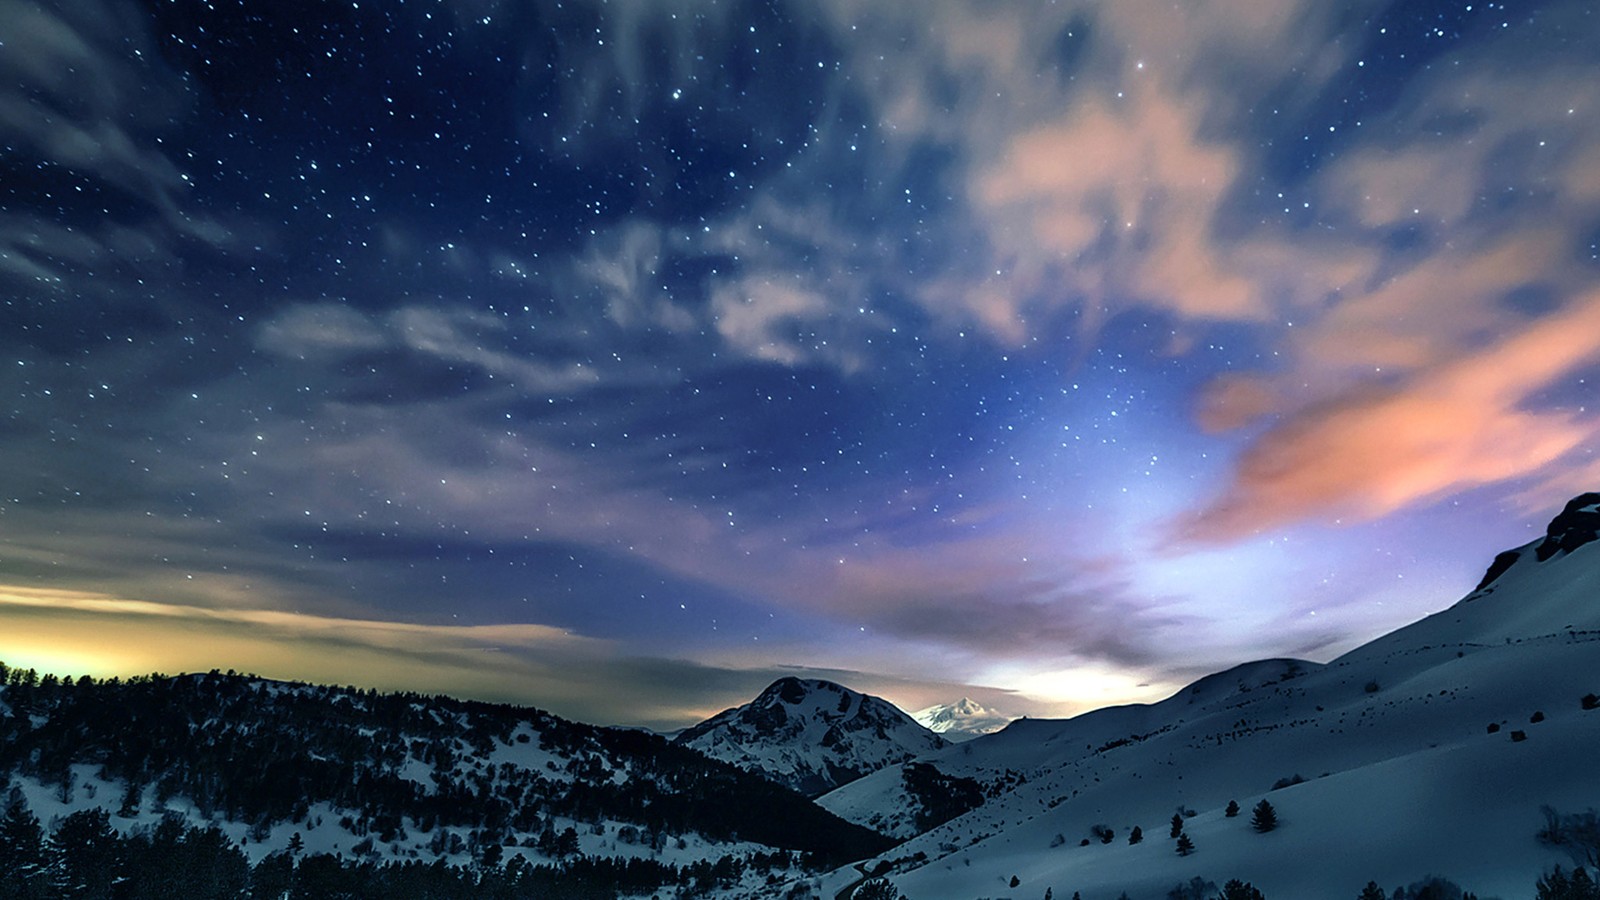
(1402, 775)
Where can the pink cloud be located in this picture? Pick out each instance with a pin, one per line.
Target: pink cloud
(1374, 450)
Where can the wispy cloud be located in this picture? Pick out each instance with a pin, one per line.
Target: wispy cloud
(1375, 450)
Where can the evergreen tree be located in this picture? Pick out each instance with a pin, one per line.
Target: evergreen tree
(1240, 890)
(877, 889)
(1196, 888)
(1372, 892)
(22, 852)
(85, 856)
(1232, 810)
(1177, 825)
(1557, 885)
(1185, 845)
(1136, 835)
(1264, 818)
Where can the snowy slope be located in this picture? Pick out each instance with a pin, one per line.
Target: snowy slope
(811, 735)
(1407, 746)
(962, 720)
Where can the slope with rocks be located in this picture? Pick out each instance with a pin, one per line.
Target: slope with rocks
(811, 735)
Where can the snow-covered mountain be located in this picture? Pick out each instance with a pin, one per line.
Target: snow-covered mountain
(962, 720)
(812, 735)
(1428, 751)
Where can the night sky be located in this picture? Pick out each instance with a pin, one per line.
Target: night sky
(619, 357)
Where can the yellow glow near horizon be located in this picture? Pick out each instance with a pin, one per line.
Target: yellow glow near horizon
(1085, 687)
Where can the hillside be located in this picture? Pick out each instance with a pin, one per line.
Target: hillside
(1430, 750)
(397, 779)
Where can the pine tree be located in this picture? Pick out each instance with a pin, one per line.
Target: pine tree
(1240, 890)
(1185, 845)
(1264, 818)
(1136, 835)
(85, 855)
(1177, 824)
(1558, 886)
(1232, 810)
(22, 859)
(1372, 892)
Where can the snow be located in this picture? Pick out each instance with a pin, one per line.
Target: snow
(811, 734)
(1403, 777)
(962, 720)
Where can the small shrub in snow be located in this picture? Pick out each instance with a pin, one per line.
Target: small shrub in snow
(1058, 840)
(1240, 890)
(1232, 810)
(1136, 835)
(1371, 687)
(1103, 833)
(1263, 818)
(1432, 888)
(1494, 727)
(1372, 892)
(877, 889)
(1519, 736)
(1185, 845)
(1558, 886)
(1537, 717)
(1290, 781)
(1577, 833)
(1196, 888)
(1591, 701)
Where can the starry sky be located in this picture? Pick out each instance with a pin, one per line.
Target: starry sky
(618, 357)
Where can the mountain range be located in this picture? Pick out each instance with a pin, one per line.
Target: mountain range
(1460, 747)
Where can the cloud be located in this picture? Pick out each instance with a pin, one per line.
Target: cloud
(1113, 204)
(1375, 450)
(330, 333)
(775, 320)
(1431, 321)
(77, 632)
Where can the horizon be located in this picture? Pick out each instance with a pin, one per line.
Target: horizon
(618, 359)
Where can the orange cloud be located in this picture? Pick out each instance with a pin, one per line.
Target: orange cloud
(1115, 200)
(1375, 450)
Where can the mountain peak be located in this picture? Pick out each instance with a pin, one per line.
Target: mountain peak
(812, 735)
(962, 720)
(1577, 524)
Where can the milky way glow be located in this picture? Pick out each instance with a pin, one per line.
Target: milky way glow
(618, 358)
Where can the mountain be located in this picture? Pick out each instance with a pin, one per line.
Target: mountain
(962, 720)
(359, 785)
(1444, 748)
(811, 735)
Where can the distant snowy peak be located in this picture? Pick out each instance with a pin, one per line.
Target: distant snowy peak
(1576, 525)
(962, 720)
(812, 735)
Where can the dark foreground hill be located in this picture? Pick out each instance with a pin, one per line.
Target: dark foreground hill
(251, 779)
